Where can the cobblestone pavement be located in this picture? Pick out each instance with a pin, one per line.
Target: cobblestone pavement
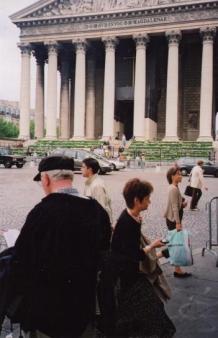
(193, 307)
(18, 194)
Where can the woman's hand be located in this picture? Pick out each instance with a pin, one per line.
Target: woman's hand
(157, 243)
(178, 226)
(153, 245)
(184, 204)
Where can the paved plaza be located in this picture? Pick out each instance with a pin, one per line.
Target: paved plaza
(194, 305)
(18, 194)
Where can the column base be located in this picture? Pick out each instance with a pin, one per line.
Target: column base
(205, 139)
(78, 138)
(24, 137)
(139, 138)
(105, 138)
(39, 137)
(170, 139)
(63, 138)
(50, 138)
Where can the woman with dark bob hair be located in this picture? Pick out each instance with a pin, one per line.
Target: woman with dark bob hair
(174, 209)
(141, 311)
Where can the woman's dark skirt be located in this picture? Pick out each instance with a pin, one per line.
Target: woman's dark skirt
(141, 313)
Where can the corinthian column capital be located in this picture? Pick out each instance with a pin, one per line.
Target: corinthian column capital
(25, 48)
(208, 33)
(52, 47)
(173, 36)
(110, 42)
(141, 39)
(80, 44)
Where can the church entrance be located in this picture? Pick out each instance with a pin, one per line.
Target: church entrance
(124, 114)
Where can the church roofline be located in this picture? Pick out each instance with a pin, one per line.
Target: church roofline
(20, 16)
(17, 16)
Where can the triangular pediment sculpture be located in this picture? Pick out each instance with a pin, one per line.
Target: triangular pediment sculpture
(58, 8)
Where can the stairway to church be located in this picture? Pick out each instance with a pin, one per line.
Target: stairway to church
(169, 151)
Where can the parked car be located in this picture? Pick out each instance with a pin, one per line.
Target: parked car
(79, 155)
(187, 163)
(8, 159)
(116, 165)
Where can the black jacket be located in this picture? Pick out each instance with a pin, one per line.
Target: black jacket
(126, 249)
(57, 256)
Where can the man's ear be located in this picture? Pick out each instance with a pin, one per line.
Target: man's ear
(46, 180)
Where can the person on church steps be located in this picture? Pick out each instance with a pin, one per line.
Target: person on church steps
(57, 256)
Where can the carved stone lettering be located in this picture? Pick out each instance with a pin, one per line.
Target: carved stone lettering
(116, 24)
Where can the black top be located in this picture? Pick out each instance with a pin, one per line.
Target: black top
(126, 245)
(58, 252)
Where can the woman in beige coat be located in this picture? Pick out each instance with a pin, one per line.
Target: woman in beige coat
(174, 209)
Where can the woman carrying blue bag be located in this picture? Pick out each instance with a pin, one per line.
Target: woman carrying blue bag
(178, 238)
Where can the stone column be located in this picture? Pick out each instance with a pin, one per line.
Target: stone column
(109, 87)
(39, 99)
(51, 124)
(171, 132)
(80, 89)
(140, 87)
(64, 97)
(90, 98)
(205, 133)
(24, 132)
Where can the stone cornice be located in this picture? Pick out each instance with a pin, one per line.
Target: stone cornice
(90, 17)
(120, 26)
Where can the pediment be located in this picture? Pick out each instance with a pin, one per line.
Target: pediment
(62, 8)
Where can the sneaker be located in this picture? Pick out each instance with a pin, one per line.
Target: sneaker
(182, 275)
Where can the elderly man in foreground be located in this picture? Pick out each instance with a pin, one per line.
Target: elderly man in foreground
(57, 256)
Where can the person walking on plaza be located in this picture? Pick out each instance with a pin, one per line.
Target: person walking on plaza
(123, 141)
(174, 209)
(197, 183)
(58, 253)
(141, 312)
(94, 185)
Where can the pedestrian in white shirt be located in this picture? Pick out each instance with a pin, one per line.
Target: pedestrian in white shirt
(197, 183)
(94, 185)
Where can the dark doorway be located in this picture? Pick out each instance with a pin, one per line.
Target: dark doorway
(124, 114)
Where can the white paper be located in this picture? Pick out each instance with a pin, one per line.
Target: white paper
(11, 236)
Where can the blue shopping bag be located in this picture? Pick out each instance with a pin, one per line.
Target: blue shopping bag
(180, 248)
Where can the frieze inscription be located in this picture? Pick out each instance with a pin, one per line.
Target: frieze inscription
(116, 24)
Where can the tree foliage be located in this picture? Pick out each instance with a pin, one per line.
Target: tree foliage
(32, 129)
(8, 129)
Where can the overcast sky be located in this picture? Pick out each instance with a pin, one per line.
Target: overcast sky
(10, 55)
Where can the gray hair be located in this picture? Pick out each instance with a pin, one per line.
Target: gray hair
(59, 174)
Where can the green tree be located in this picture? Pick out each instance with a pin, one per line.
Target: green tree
(32, 129)
(8, 129)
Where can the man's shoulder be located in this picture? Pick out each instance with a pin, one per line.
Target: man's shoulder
(60, 200)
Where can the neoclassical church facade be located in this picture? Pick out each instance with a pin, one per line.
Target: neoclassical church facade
(146, 68)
